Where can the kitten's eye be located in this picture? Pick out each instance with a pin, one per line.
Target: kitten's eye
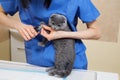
(63, 21)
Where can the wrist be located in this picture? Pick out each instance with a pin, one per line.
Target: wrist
(17, 25)
(63, 34)
(68, 34)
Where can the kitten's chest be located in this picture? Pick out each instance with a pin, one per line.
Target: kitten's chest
(63, 43)
(59, 42)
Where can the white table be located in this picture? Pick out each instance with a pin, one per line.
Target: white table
(33, 71)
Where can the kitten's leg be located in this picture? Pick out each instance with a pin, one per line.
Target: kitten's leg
(49, 69)
(43, 43)
(52, 71)
(61, 73)
(60, 64)
(65, 72)
(69, 68)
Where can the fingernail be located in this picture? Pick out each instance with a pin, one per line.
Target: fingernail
(43, 25)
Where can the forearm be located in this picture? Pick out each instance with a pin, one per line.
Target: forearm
(86, 34)
(9, 22)
(92, 32)
(26, 31)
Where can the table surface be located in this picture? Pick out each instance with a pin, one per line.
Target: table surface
(75, 75)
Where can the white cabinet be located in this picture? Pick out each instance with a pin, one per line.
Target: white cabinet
(17, 46)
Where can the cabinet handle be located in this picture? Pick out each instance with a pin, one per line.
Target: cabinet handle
(21, 48)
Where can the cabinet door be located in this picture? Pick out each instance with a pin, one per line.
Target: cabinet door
(17, 47)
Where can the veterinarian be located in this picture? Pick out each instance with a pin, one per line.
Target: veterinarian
(32, 12)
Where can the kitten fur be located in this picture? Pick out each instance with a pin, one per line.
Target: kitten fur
(64, 48)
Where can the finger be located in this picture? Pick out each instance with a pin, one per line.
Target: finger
(44, 33)
(33, 31)
(47, 28)
(23, 35)
(30, 33)
(26, 33)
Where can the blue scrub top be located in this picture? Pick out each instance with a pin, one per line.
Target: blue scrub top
(72, 9)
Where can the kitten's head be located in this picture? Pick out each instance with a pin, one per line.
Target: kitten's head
(58, 22)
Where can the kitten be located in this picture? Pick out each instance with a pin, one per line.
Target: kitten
(64, 48)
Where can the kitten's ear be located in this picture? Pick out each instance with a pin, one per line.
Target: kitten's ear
(64, 19)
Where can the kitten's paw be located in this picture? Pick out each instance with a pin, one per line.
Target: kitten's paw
(61, 73)
(50, 69)
(52, 72)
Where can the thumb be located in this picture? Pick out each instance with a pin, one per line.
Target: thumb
(47, 28)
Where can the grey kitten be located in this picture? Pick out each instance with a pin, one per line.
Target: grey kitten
(64, 48)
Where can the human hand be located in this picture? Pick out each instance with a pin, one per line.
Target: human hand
(26, 31)
(48, 32)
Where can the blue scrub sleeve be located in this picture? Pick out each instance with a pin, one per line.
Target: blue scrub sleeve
(9, 6)
(87, 11)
